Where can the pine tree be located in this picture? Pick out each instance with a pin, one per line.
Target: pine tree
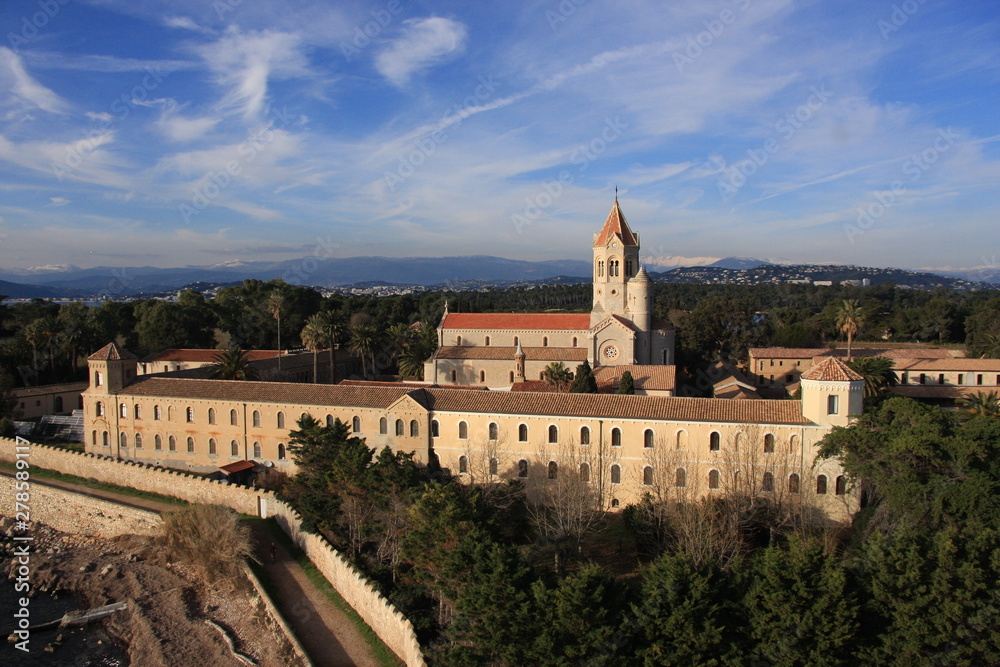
(584, 382)
(626, 385)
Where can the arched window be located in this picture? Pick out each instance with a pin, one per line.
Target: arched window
(647, 476)
(584, 472)
(493, 466)
(647, 438)
(435, 429)
(106, 439)
(482, 376)
(628, 267)
(840, 485)
(280, 419)
(138, 440)
(600, 268)
(680, 478)
(545, 341)
(282, 455)
(682, 439)
(793, 445)
(189, 415)
(170, 413)
(511, 377)
(256, 450)
(574, 341)
(171, 444)
(211, 415)
(463, 431)
(714, 441)
(616, 437)
(414, 428)
(123, 440)
(157, 442)
(356, 424)
(123, 409)
(713, 479)
(516, 341)
(821, 485)
(93, 438)
(793, 483)
(494, 430)
(98, 378)
(616, 474)
(157, 413)
(136, 409)
(454, 376)
(553, 434)
(458, 340)
(463, 465)
(399, 427)
(767, 482)
(190, 445)
(522, 469)
(487, 341)
(234, 418)
(383, 426)
(584, 435)
(234, 448)
(522, 433)
(769, 443)
(329, 421)
(212, 448)
(553, 469)
(256, 418)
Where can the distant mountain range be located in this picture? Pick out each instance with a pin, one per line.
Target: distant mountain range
(67, 281)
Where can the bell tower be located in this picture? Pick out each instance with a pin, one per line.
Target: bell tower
(616, 261)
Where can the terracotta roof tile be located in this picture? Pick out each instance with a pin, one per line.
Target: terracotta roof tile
(615, 224)
(938, 365)
(507, 353)
(939, 390)
(646, 377)
(518, 321)
(831, 369)
(611, 406)
(111, 352)
(202, 355)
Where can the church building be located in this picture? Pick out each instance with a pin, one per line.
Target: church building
(503, 349)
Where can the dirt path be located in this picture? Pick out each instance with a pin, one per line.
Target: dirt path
(328, 635)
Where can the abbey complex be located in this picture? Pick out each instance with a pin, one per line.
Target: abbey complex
(484, 414)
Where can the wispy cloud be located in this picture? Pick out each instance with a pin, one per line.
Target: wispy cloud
(423, 44)
(21, 90)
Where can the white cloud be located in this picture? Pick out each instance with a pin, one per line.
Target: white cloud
(16, 83)
(423, 43)
(59, 201)
(184, 23)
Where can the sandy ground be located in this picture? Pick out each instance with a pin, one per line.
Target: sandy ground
(165, 623)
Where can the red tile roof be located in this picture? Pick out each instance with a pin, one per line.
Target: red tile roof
(831, 369)
(645, 376)
(518, 321)
(507, 353)
(615, 224)
(985, 365)
(111, 352)
(239, 466)
(408, 385)
(939, 390)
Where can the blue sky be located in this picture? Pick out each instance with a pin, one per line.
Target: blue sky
(177, 132)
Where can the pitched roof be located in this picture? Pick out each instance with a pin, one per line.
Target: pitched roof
(813, 352)
(615, 224)
(831, 369)
(507, 353)
(939, 390)
(266, 392)
(202, 355)
(111, 352)
(986, 365)
(611, 406)
(518, 321)
(408, 385)
(647, 377)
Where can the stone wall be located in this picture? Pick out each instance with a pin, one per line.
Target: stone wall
(82, 515)
(391, 626)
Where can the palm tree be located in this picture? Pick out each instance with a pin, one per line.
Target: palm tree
(274, 304)
(980, 404)
(233, 364)
(422, 345)
(849, 321)
(315, 337)
(364, 338)
(399, 336)
(877, 372)
(557, 375)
